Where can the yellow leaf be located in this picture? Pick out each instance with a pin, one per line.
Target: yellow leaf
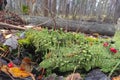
(18, 73)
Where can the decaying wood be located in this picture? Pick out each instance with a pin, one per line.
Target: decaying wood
(9, 26)
(70, 25)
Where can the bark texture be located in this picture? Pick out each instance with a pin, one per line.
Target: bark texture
(70, 25)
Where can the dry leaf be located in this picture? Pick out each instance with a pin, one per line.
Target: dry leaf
(26, 65)
(8, 36)
(74, 76)
(18, 73)
(116, 78)
(4, 68)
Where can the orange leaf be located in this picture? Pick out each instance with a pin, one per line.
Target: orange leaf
(116, 78)
(17, 73)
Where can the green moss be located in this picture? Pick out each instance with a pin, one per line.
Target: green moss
(65, 50)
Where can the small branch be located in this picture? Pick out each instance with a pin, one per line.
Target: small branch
(9, 26)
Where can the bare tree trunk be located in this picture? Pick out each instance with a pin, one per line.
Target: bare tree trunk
(9, 5)
(64, 7)
(85, 9)
(67, 9)
(54, 7)
(50, 5)
(74, 7)
(60, 7)
(117, 11)
(45, 7)
(2, 4)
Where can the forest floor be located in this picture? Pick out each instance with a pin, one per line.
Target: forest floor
(19, 66)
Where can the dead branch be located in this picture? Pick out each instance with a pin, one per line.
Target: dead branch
(9, 26)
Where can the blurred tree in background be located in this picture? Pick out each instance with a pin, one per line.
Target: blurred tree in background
(88, 10)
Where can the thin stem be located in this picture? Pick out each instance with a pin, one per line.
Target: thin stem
(74, 72)
(114, 69)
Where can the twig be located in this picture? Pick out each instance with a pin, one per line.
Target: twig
(33, 78)
(10, 26)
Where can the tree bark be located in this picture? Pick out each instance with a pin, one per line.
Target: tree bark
(117, 11)
(2, 4)
(53, 7)
(45, 8)
(70, 25)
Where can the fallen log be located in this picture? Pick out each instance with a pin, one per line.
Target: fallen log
(70, 25)
(9, 26)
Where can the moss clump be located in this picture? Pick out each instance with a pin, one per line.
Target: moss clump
(65, 50)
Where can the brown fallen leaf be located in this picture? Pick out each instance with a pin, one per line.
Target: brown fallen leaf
(17, 72)
(26, 64)
(74, 76)
(116, 78)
